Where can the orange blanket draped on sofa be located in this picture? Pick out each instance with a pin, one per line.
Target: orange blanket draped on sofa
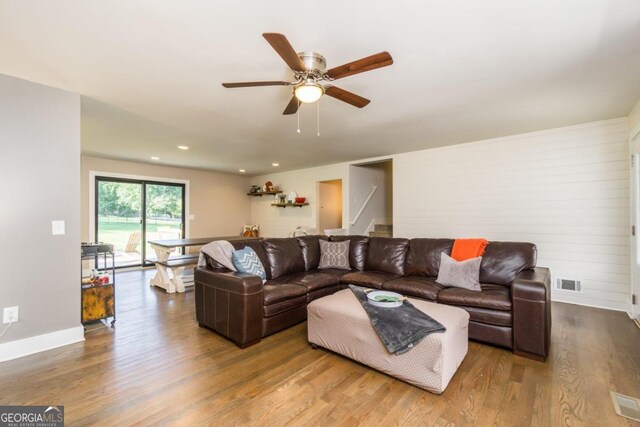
(464, 249)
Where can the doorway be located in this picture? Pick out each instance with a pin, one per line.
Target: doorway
(131, 212)
(330, 205)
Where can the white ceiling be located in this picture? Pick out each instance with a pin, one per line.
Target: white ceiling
(150, 72)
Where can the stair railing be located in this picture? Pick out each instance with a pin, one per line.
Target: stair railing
(364, 205)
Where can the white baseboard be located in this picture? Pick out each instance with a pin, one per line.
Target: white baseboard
(556, 297)
(24, 347)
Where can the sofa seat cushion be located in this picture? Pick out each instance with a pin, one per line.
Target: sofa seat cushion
(335, 272)
(272, 294)
(314, 295)
(314, 281)
(282, 306)
(419, 287)
(489, 316)
(494, 297)
(369, 279)
(311, 280)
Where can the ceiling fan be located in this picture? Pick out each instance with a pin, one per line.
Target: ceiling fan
(309, 70)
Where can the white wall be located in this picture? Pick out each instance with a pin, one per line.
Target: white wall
(39, 182)
(361, 180)
(216, 200)
(281, 222)
(566, 190)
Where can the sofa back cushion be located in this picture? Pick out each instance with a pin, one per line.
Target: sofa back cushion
(502, 261)
(284, 255)
(357, 249)
(423, 257)
(258, 247)
(310, 247)
(387, 254)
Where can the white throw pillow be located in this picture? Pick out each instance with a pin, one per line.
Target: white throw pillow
(463, 274)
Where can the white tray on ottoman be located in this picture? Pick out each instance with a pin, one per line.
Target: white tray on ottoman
(339, 323)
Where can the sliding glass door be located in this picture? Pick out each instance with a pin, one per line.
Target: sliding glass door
(164, 213)
(130, 212)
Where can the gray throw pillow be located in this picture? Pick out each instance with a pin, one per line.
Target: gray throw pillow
(334, 255)
(463, 274)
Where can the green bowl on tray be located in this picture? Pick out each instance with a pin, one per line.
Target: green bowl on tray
(385, 299)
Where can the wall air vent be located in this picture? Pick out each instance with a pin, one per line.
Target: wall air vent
(570, 285)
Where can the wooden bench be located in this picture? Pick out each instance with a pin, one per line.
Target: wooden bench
(176, 264)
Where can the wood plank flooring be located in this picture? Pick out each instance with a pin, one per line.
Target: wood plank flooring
(158, 368)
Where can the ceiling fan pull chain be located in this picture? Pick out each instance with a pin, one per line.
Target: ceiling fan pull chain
(318, 116)
(298, 116)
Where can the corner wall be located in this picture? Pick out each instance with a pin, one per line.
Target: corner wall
(566, 190)
(39, 182)
(362, 178)
(281, 222)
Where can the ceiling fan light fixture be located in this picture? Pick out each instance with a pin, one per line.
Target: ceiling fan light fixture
(308, 92)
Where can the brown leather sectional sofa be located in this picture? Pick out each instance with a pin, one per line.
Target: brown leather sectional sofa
(513, 310)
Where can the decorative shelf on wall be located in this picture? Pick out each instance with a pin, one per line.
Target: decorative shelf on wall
(284, 205)
(263, 193)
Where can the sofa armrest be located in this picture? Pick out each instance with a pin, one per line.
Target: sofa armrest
(230, 303)
(531, 302)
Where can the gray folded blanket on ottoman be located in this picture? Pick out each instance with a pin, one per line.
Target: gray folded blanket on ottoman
(399, 328)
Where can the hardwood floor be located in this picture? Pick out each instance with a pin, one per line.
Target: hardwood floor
(158, 368)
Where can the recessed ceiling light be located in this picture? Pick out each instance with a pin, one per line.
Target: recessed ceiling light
(155, 158)
(183, 147)
(275, 164)
(241, 170)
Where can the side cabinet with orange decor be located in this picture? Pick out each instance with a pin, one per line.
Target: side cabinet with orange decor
(98, 289)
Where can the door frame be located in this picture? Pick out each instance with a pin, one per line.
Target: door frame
(634, 149)
(133, 178)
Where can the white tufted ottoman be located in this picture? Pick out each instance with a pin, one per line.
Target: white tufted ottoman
(339, 323)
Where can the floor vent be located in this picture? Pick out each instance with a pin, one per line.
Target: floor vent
(625, 406)
(568, 285)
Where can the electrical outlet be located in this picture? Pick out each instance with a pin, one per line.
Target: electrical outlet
(11, 314)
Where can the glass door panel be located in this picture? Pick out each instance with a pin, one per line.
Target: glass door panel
(119, 219)
(164, 214)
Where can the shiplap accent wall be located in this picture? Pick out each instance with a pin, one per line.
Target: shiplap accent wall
(566, 190)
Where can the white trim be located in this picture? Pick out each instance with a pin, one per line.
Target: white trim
(92, 193)
(612, 306)
(24, 347)
(370, 227)
(634, 287)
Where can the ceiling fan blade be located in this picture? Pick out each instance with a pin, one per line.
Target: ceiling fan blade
(346, 96)
(369, 63)
(292, 107)
(281, 45)
(253, 84)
